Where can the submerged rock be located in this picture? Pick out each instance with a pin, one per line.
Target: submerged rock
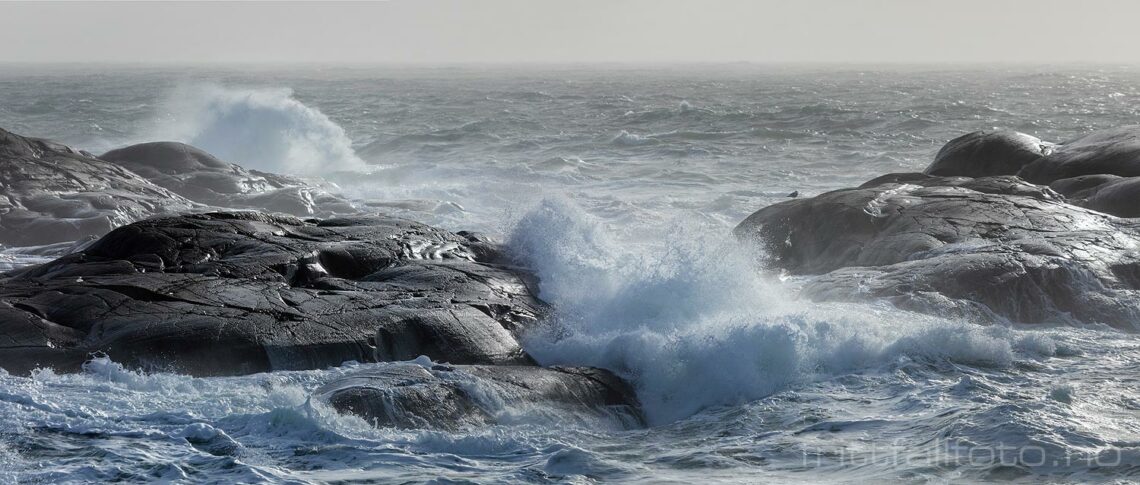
(410, 395)
(51, 193)
(236, 293)
(989, 248)
(987, 153)
(199, 176)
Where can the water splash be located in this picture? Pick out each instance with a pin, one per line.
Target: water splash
(263, 129)
(691, 322)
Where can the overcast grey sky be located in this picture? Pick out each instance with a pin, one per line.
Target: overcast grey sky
(510, 31)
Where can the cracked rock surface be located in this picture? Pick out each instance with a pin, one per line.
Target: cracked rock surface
(243, 292)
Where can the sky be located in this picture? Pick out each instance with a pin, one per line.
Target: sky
(573, 31)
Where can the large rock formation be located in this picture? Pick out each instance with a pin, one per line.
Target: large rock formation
(235, 293)
(199, 176)
(989, 248)
(51, 193)
(422, 395)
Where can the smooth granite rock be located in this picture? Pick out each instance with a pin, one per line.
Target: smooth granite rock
(992, 248)
(988, 153)
(1111, 194)
(1114, 151)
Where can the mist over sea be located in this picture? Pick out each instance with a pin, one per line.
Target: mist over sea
(619, 186)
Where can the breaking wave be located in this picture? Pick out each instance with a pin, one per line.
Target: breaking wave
(263, 129)
(691, 323)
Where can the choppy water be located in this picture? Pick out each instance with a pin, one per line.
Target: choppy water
(619, 186)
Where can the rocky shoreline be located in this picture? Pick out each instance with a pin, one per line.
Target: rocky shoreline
(182, 288)
(1001, 227)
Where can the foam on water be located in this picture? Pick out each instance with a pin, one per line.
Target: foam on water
(256, 428)
(692, 323)
(265, 129)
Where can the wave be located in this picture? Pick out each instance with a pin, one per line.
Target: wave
(263, 129)
(688, 319)
(626, 138)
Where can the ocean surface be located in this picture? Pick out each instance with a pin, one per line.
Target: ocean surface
(619, 186)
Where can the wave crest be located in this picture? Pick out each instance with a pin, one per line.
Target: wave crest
(262, 129)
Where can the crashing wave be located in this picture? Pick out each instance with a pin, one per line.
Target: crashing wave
(692, 329)
(262, 129)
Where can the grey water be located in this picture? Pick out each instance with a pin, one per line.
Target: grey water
(620, 186)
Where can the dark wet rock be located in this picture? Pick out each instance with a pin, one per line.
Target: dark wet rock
(459, 335)
(410, 395)
(1111, 194)
(1120, 198)
(1114, 151)
(990, 248)
(51, 193)
(1082, 186)
(199, 176)
(987, 153)
(236, 293)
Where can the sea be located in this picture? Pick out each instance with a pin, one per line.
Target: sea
(619, 186)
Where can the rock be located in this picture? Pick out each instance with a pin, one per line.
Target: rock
(237, 293)
(51, 193)
(201, 177)
(863, 227)
(411, 395)
(1082, 186)
(462, 335)
(1115, 152)
(1111, 194)
(987, 153)
(991, 248)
